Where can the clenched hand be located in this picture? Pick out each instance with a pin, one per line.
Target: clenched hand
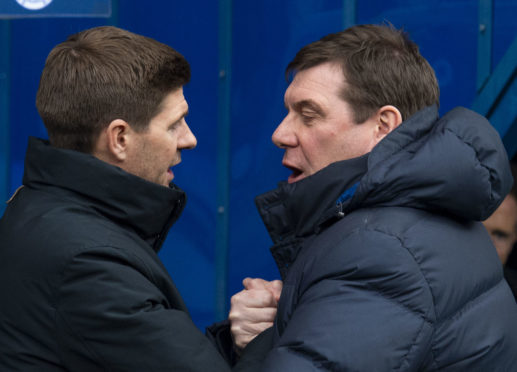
(253, 309)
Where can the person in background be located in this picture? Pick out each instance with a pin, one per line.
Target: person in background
(83, 288)
(377, 234)
(502, 227)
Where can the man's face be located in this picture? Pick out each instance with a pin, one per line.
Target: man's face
(158, 148)
(502, 226)
(319, 128)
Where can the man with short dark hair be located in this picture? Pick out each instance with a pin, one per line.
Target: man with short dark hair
(83, 288)
(385, 266)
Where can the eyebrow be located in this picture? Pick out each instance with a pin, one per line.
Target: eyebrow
(183, 115)
(310, 105)
(178, 120)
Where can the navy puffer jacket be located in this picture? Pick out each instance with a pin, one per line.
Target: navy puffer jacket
(388, 269)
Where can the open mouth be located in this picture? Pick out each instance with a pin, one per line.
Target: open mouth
(296, 175)
(170, 174)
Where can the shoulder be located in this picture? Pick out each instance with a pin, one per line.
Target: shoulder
(394, 248)
(44, 233)
(370, 236)
(365, 253)
(400, 251)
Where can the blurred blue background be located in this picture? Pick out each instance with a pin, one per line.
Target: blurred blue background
(238, 51)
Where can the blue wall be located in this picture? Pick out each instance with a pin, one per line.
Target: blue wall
(238, 52)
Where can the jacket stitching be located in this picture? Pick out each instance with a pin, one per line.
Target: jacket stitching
(417, 265)
(458, 313)
(425, 317)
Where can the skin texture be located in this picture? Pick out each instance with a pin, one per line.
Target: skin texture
(319, 128)
(253, 310)
(502, 227)
(149, 154)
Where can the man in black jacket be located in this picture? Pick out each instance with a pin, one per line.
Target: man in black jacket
(82, 286)
(376, 233)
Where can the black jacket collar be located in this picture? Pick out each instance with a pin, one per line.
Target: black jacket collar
(147, 208)
(299, 209)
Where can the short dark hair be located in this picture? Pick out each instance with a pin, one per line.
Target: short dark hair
(381, 66)
(102, 74)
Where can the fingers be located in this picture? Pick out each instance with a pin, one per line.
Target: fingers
(254, 283)
(275, 287)
(257, 298)
(252, 311)
(251, 316)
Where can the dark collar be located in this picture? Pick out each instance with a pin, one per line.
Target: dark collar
(299, 209)
(147, 208)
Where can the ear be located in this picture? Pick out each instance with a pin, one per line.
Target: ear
(118, 133)
(112, 144)
(388, 118)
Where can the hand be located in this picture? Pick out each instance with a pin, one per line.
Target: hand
(253, 310)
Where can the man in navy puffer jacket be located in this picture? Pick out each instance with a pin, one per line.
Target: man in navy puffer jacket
(385, 266)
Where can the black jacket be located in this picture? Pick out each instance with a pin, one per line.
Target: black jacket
(386, 269)
(511, 277)
(81, 284)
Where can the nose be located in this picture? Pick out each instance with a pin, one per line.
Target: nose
(284, 135)
(187, 140)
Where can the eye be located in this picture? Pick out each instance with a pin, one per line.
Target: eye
(499, 235)
(175, 125)
(308, 116)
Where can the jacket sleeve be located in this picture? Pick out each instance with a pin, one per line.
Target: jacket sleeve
(361, 305)
(110, 316)
(220, 336)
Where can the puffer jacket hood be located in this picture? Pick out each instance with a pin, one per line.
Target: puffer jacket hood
(456, 165)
